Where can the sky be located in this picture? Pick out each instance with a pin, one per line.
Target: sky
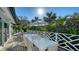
(31, 12)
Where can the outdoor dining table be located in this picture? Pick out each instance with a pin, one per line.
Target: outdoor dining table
(41, 43)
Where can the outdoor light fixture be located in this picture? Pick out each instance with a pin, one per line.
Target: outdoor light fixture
(0, 18)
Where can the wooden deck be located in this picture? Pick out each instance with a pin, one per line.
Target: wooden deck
(19, 48)
(61, 49)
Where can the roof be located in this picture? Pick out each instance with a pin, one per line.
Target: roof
(12, 11)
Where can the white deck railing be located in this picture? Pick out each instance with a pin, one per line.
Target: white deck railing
(67, 41)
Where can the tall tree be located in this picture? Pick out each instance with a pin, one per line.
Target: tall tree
(75, 16)
(49, 17)
(35, 19)
(17, 20)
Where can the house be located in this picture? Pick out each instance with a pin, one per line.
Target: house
(7, 20)
(38, 23)
(23, 22)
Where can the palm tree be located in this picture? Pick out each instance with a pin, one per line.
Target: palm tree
(35, 19)
(32, 20)
(50, 16)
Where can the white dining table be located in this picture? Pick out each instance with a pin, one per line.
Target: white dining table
(41, 43)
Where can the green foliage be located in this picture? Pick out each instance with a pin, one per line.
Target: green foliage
(71, 28)
(61, 24)
(17, 20)
(40, 28)
(17, 27)
(35, 19)
(57, 26)
(49, 17)
(25, 28)
(75, 16)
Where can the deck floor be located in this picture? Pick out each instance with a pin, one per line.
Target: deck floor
(19, 48)
(61, 49)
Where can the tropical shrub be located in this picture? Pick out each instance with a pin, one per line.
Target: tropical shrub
(17, 27)
(71, 28)
(25, 28)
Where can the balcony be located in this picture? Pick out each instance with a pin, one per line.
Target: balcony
(66, 42)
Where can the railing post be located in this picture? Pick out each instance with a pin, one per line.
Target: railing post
(56, 37)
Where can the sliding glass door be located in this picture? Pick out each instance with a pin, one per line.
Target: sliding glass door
(6, 31)
(0, 33)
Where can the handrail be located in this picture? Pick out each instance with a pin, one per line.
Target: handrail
(56, 37)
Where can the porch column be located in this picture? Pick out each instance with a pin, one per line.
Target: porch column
(10, 31)
(3, 38)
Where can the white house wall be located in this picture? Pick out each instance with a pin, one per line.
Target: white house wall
(6, 18)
